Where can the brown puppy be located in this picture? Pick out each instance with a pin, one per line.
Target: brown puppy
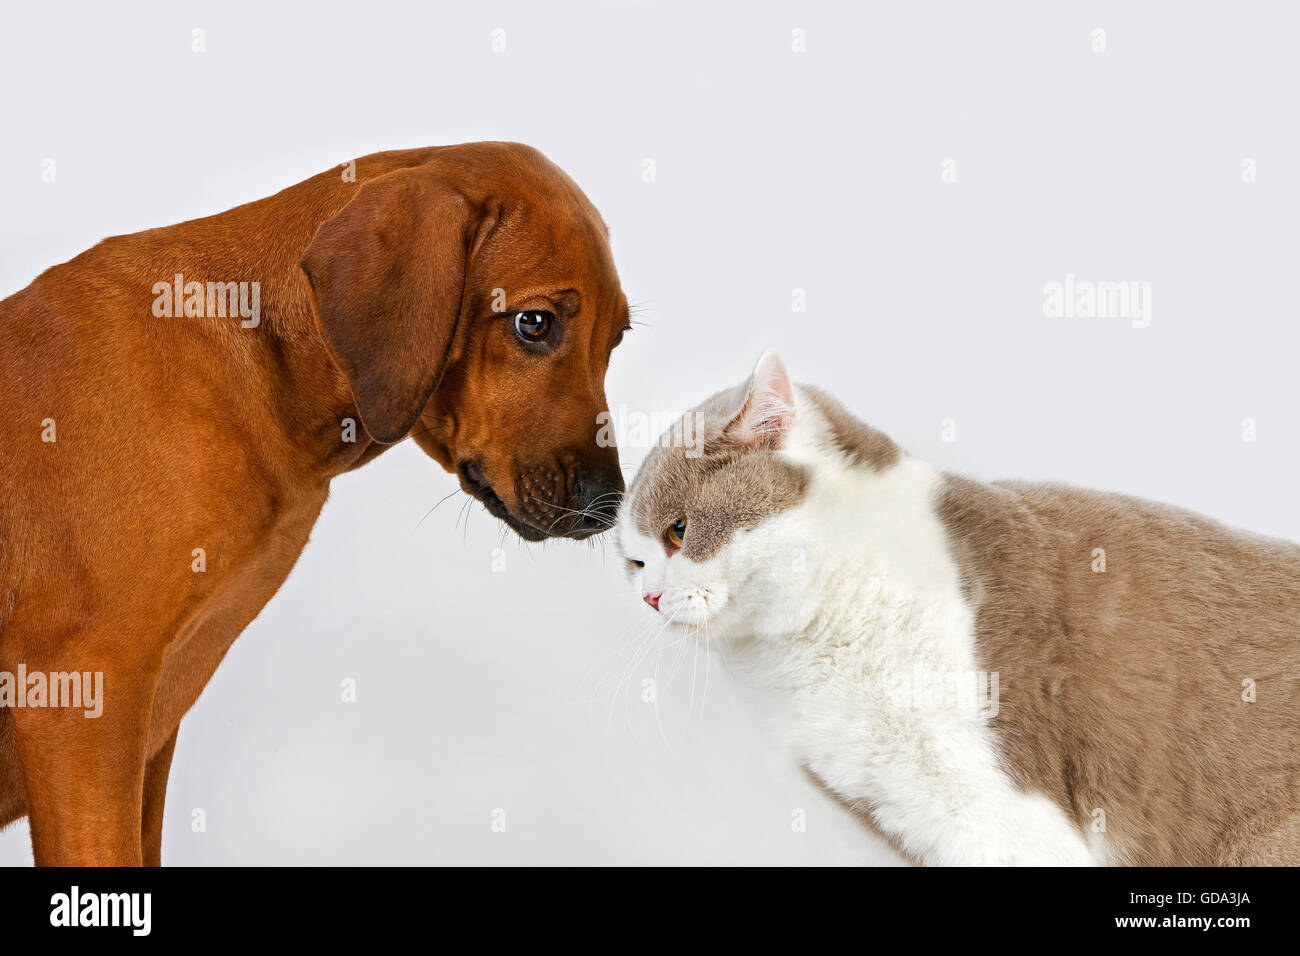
(168, 435)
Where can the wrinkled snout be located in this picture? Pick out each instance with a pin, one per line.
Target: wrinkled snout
(574, 497)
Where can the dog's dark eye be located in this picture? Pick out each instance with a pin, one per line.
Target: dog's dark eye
(619, 339)
(533, 325)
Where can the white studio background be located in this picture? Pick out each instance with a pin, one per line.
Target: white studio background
(828, 171)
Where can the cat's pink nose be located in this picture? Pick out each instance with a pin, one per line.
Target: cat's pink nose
(652, 598)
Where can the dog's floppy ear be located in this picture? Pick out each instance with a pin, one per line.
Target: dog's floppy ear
(388, 274)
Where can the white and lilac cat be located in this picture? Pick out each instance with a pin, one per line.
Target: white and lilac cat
(1081, 717)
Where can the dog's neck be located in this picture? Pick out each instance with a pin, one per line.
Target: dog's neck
(317, 411)
(287, 356)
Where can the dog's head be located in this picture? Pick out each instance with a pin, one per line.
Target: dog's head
(473, 304)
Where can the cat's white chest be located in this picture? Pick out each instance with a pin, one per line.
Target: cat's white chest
(878, 691)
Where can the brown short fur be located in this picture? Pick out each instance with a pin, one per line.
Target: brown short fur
(379, 306)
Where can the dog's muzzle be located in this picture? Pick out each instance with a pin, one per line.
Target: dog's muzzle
(564, 500)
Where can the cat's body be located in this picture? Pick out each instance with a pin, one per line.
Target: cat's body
(1127, 674)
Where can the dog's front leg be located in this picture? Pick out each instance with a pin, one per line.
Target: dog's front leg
(155, 794)
(84, 777)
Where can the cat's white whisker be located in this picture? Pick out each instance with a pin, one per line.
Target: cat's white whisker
(644, 645)
(652, 642)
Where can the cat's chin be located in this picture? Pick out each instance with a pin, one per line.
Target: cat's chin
(711, 627)
(673, 623)
(677, 619)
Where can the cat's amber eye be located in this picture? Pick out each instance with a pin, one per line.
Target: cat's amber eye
(675, 534)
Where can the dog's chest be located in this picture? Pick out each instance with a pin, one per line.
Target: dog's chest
(235, 595)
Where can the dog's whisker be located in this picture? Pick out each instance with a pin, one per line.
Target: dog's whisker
(463, 514)
(605, 522)
(435, 508)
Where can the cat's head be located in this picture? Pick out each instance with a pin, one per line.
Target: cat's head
(719, 528)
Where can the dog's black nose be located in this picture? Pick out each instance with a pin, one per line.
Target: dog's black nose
(596, 499)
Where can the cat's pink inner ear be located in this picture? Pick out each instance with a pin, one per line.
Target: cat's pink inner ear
(765, 419)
